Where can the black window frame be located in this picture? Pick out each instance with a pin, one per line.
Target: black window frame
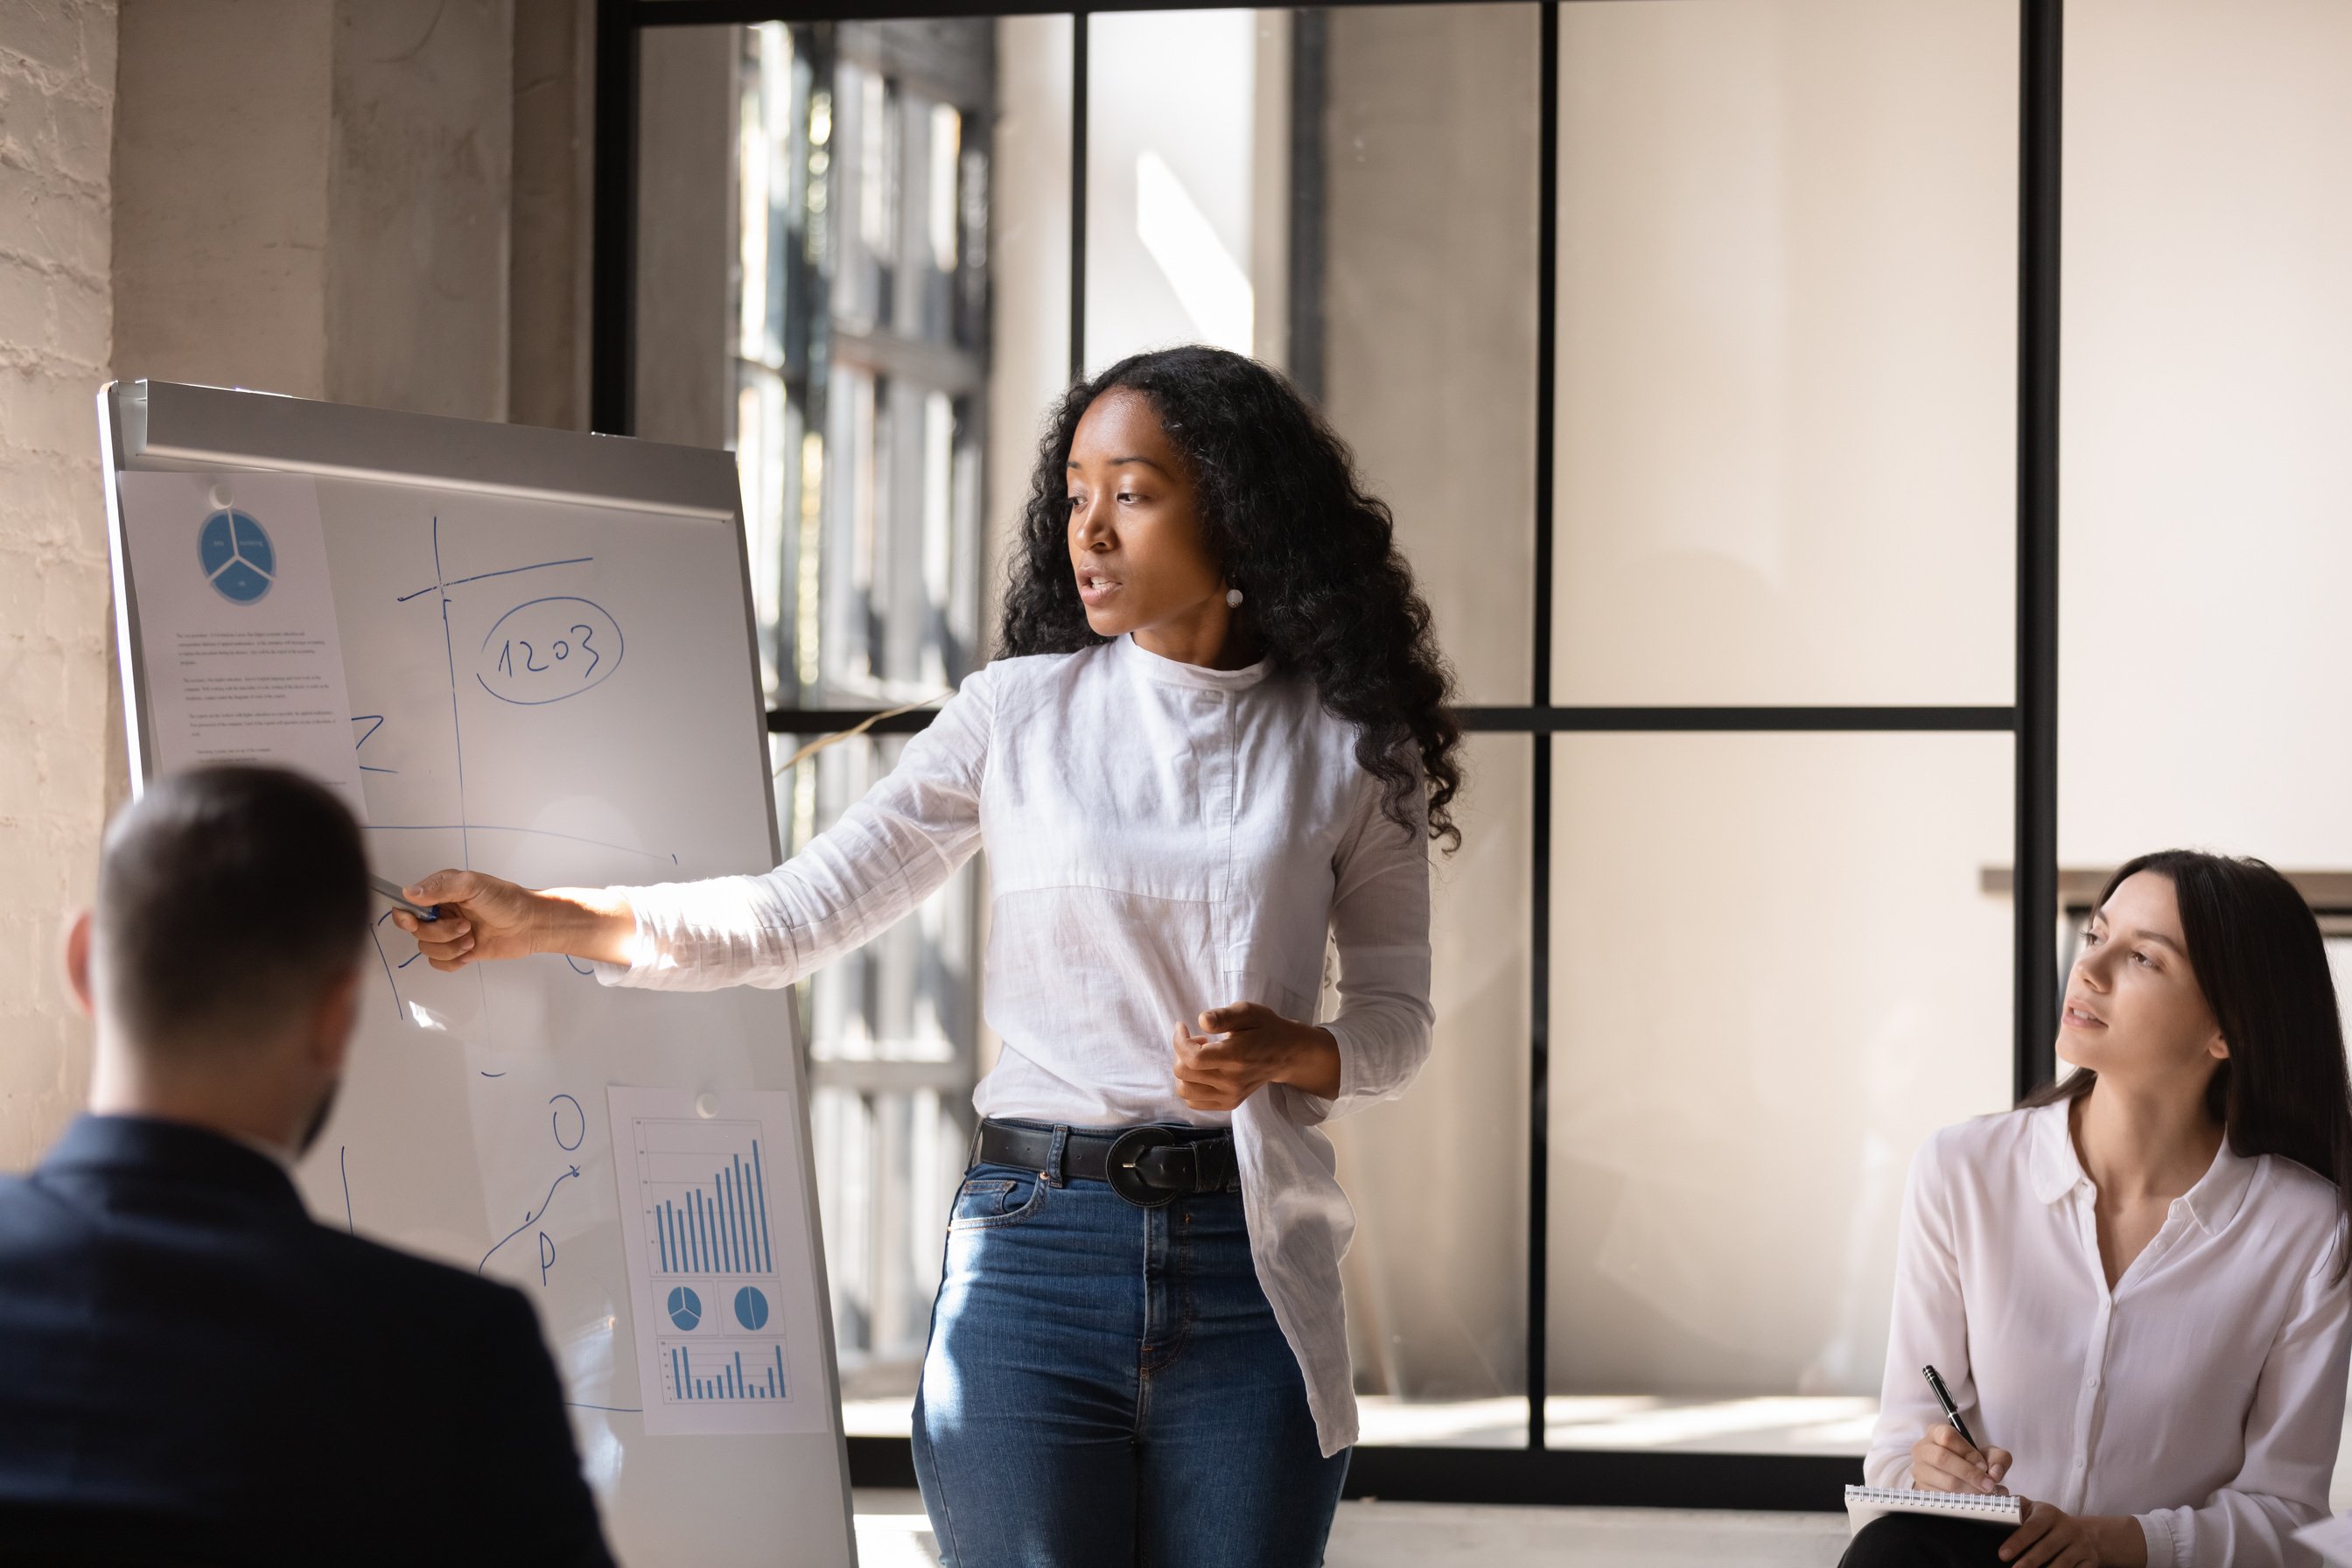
(1534, 1473)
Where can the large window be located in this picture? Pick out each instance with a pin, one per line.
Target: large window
(1703, 350)
(846, 171)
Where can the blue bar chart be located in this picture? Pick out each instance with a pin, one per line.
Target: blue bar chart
(704, 1374)
(718, 1224)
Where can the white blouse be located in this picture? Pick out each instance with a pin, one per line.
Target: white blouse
(1162, 839)
(2205, 1393)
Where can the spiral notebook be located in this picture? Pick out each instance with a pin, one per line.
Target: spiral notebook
(1863, 1504)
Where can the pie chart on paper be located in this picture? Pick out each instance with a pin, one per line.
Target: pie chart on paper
(685, 1308)
(236, 556)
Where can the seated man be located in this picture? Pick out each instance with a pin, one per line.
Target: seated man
(191, 1369)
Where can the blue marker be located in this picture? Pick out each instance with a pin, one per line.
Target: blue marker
(398, 895)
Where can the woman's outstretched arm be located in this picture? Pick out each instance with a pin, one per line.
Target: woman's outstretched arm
(888, 852)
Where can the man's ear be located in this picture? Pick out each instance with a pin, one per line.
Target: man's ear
(81, 937)
(331, 1021)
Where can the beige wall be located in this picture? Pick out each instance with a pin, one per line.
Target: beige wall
(57, 714)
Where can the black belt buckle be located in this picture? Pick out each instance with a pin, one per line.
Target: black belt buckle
(1127, 1150)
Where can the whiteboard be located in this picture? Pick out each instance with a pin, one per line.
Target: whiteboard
(472, 1125)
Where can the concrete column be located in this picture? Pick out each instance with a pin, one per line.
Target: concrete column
(314, 198)
(686, 235)
(418, 205)
(220, 215)
(548, 271)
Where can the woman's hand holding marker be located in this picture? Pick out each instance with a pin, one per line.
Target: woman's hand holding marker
(487, 917)
(1244, 1046)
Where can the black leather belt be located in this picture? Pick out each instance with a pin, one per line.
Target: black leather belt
(1147, 1166)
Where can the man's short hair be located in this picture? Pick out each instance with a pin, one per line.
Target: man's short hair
(228, 898)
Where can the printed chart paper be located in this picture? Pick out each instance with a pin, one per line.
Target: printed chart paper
(718, 1275)
(244, 663)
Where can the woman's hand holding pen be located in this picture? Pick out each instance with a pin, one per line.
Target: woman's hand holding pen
(1944, 1461)
(487, 917)
(1259, 1046)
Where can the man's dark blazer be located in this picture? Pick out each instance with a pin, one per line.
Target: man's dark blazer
(193, 1371)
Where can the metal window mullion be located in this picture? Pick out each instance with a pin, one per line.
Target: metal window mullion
(2041, 39)
(613, 224)
(1079, 113)
(1538, 1281)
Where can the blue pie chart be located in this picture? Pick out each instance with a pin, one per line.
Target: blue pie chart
(751, 1308)
(685, 1308)
(236, 556)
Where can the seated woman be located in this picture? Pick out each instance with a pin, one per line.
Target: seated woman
(2134, 1286)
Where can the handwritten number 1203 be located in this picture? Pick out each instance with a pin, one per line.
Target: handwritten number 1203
(562, 649)
(545, 650)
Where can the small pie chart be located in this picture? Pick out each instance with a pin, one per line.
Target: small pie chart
(685, 1308)
(236, 556)
(751, 1308)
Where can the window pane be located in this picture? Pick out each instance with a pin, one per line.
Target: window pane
(2208, 350)
(891, 1030)
(1415, 192)
(1187, 133)
(858, 330)
(1436, 1281)
(1788, 278)
(1029, 281)
(814, 290)
(1774, 971)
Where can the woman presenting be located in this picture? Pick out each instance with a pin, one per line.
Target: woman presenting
(1217, 740)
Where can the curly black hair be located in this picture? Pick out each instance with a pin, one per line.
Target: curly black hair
(1286, 521)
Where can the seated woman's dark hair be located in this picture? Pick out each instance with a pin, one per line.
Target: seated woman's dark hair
(1286, 521)
(2257, 952)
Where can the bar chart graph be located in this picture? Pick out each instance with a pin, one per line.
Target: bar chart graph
(717, 1223)
(727, 1372)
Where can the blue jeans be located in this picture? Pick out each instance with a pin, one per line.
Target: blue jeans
(1106, 1385)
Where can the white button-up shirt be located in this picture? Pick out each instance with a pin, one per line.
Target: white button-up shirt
(2204, 1393)
(1162, 839)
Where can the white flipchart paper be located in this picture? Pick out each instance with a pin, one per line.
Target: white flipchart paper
(236, 621)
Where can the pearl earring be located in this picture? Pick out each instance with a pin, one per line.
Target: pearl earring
(1234, 598)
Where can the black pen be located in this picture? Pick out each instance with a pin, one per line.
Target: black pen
(1951, 1412)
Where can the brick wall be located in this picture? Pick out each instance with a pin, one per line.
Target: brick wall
(58, 718)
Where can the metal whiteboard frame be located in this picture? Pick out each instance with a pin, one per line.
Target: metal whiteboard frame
(164, 427)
